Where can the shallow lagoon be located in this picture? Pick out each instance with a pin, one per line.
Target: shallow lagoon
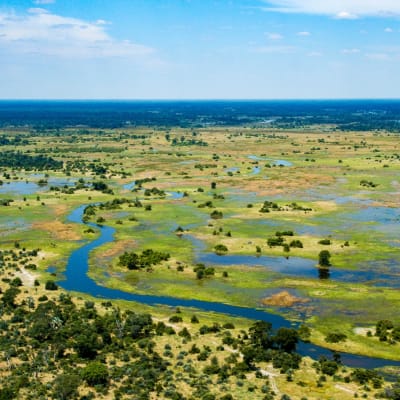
(28, 187)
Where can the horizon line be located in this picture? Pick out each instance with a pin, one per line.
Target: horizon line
(205, 99)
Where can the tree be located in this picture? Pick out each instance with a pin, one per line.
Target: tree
(216, 214)
(51, 285)
(260, 334)
(7, 393)
(95, 373)
(324, 257)
(86, 344)
(220, 249)
(9, 297)
(66, 386)
(286, 339)
(138, 325)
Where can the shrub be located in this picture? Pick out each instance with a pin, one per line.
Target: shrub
(51, 285)
(325, 242)
(335, 337)
(220, 249)
(175, 319)
(216, 214)
(66, 386)
(95, 373)
(296, 244)
(324, 258)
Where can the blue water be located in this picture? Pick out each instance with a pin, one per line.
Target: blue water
(25, 188)
(175, 195)
(20, 187)
(283, 163)
(300, 267)
(76, 279)
(232, 169)
(303, 268)
(129, 186)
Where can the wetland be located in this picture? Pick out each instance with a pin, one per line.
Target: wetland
(249, 216)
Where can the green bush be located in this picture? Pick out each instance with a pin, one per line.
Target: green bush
(95, 373)
(51, 285)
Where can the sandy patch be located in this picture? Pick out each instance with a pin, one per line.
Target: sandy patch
(345, 389)
(283, 299)
(119, 247)
(27, 278)
(58, 230)
(60, 209)
(363, 331)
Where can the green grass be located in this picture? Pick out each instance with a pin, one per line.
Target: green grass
(355, 303)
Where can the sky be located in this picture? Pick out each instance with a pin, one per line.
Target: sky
(199, 49)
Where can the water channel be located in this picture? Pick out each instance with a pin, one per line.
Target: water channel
(76, 279)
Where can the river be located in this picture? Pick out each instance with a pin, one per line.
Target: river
(76, 279)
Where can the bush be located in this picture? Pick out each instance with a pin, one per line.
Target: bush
(7, 393)
(95, 373)
(275, 241)
(51, 285)
(324, 258)
(296, 244)
(175, 319)
(66, 386)
(220, 249)
(216, 214)
(194, 320)
(325, 242)
(146, 259)
(335, 337)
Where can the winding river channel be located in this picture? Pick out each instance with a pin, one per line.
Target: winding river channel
(76, 279)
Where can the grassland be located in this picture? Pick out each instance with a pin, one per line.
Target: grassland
(345, 187)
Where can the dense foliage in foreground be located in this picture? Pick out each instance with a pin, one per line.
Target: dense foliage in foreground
(59, 348)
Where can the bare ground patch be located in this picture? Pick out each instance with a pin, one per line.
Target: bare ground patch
(118, 248)
(283, 299)
(58, 230)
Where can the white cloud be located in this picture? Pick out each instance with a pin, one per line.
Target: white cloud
(274, 36)
(41, 32)
(345, 9)
(351, 51)
(303, 33)
(314, 54)
(345, 15)
(44, 1)
(102, 22)
(388, 30)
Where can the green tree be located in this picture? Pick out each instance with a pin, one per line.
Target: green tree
(95, 373)
(324, 258)
(9, 297)
(220, 249)
(66, 386)
(51, 285)
(286, 339)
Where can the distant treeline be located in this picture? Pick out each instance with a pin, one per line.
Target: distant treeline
(20, 160)
(344, 114)
(13, 141)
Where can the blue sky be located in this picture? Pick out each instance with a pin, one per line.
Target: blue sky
(199, 49)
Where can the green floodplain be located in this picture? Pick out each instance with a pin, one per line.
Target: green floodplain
(300, 223)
